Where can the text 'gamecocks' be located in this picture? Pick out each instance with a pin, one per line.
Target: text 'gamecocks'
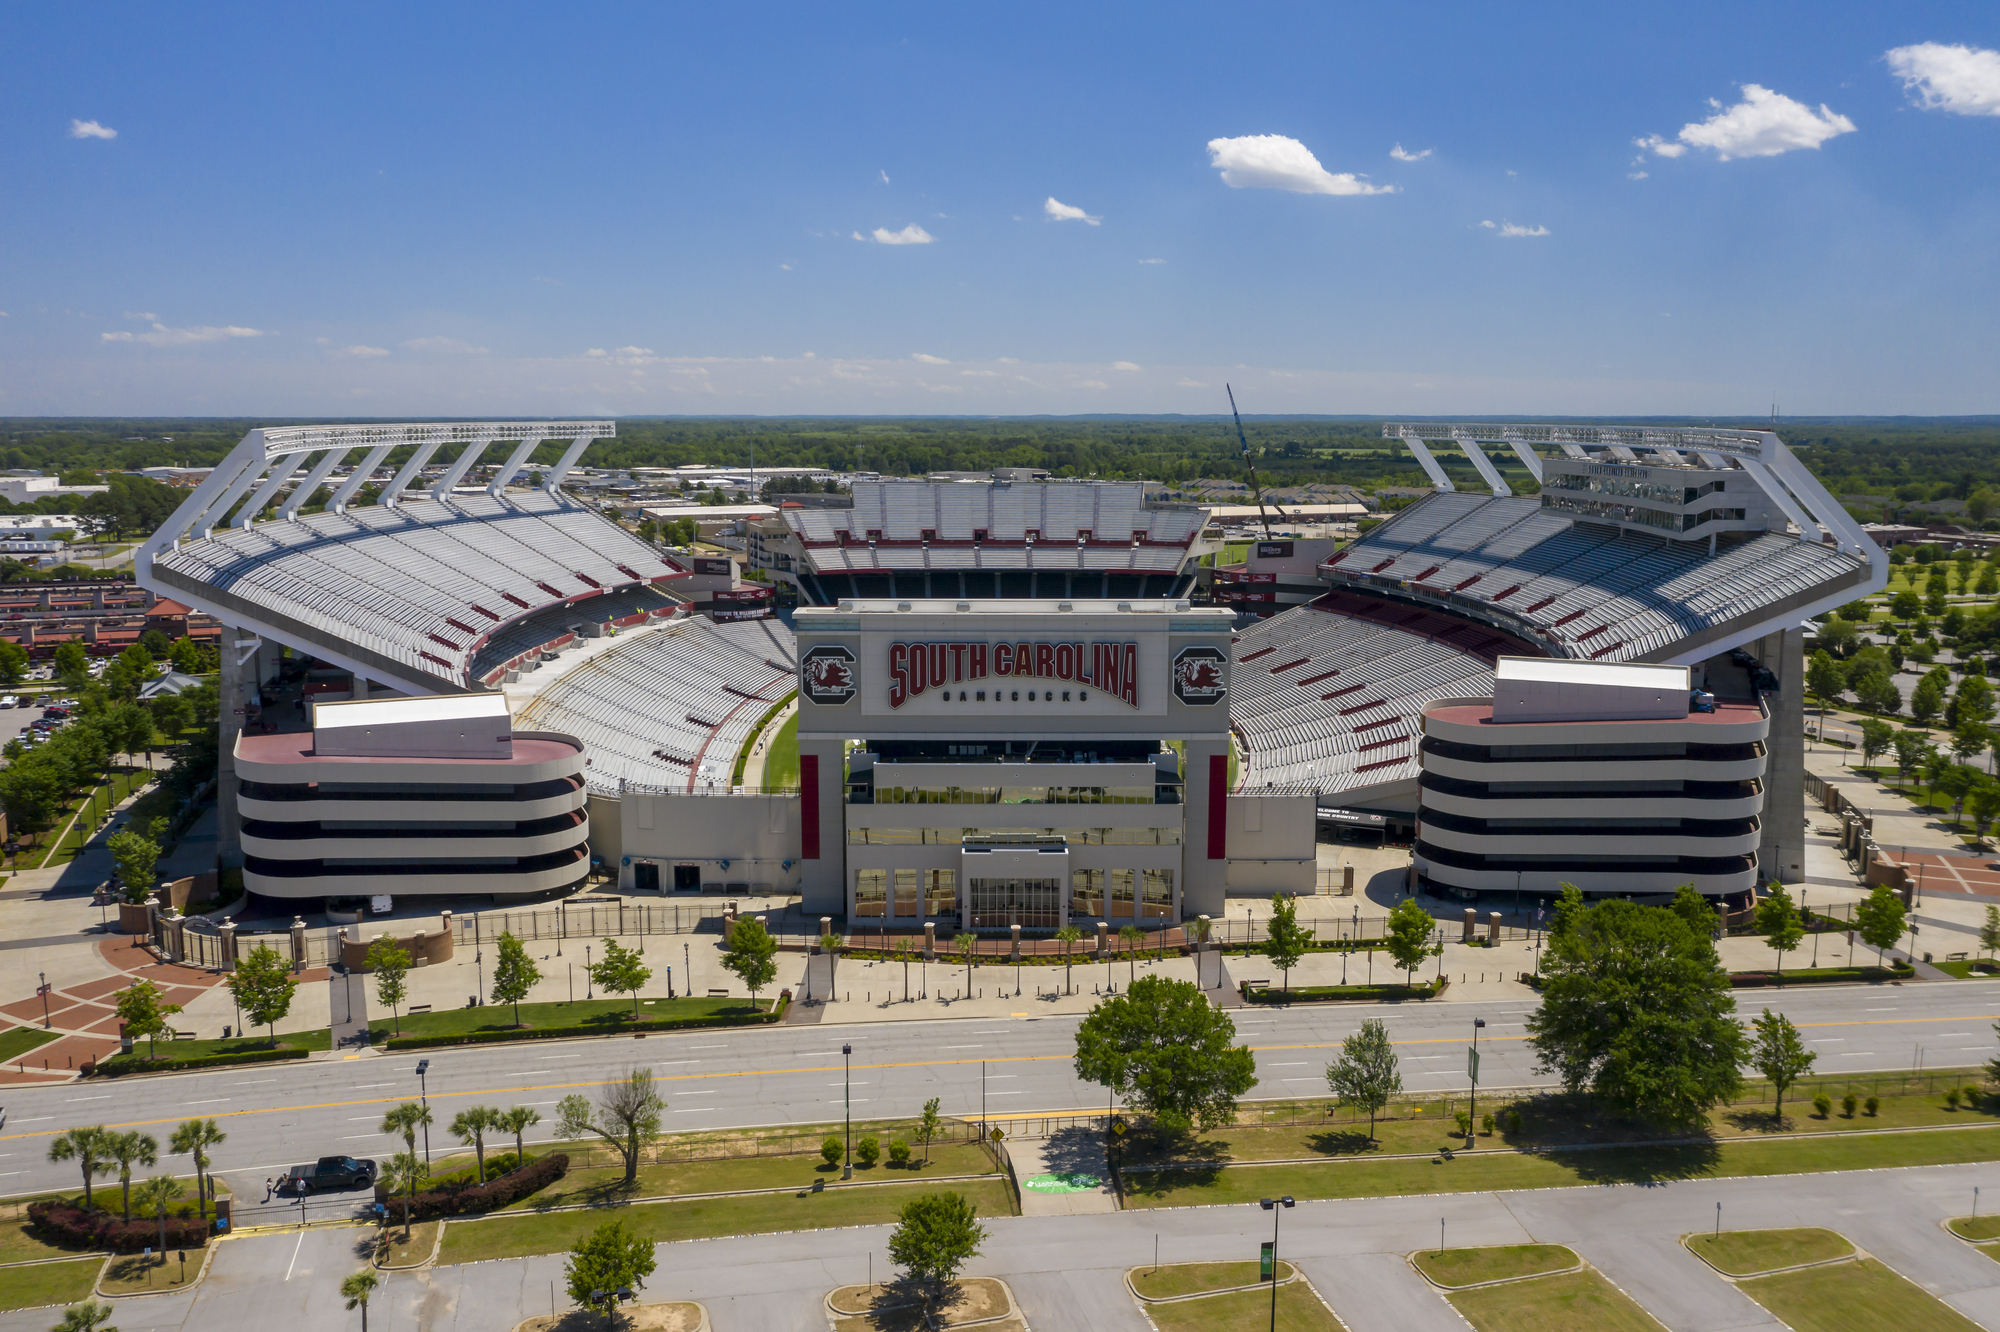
(916, 667)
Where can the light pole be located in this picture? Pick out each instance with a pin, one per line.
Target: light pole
(1472, 1120)
(1275, 1207)
(687, 970)
(589, 980)
(44, 992)
(847, 1100)
(424, 1094)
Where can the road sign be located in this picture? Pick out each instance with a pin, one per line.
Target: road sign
(1472, 1064)
(1266, 1263)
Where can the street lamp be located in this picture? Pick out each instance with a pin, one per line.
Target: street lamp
(424, 1093)
(589, 980)
(1472, 1122)
(1274, 1206)
(847, 1100)
(609, 1299)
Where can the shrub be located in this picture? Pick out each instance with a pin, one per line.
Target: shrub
(1487, 1123)
(1463, 1120)
(119, 1065)
(1847, 1104)
(1873, 1104)
(63, 1222)
(464, 1199)
(868, 1151)
(1822, 1105)
(1972, 1096)
(1513, 1121)
(830, 1151)
(1951, 1098)
(899, 1153)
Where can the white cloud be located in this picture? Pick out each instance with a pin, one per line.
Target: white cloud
(1964, 80)
(597, 351)
(1123, 365)
(885, 177)
(361, 350)
(1763, 124)
(452, 345)
(1092, 384)
(1152, 261)
(980, 374)
(1059, 211)
(143, 318)
(162, 336)
(928, 360)
(635, 351)
(1638, 175)
(1402, 154)
(1192, 383)
(1274, 162)
(1514, 229)
(90, 129)
(910, 235)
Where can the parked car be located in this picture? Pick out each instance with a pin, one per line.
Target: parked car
(330, 1174)
(10, 701)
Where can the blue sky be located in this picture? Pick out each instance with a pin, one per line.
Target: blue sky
(383, 210)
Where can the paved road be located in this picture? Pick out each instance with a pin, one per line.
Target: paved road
(280, 1115)
(1066, 1270)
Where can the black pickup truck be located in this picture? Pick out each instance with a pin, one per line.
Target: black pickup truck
(330, 1174)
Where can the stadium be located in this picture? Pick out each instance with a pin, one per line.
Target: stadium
(1016, 645)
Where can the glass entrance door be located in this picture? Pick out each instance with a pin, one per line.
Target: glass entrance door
(1033, 904)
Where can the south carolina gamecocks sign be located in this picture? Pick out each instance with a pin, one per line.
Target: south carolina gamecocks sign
(1201, 675)
(826, 674)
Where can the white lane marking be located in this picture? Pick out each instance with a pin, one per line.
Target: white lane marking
(814, 1054)
(710, 1092)
(1852, 1054)
(259, 1081)
(859, 1100)
(668, 1063)
(531, 1073)
(700, 1109)
(295, 1253)
(1300, 1063)
(1019, 1093)
(353, 1136)
(555, 1057)
(370, 1086)
(213, 1101)
(1828, 1040)
(850, 1084)
(695, 1047)
(965, 1047)
(356, 1119)
(1003, 1077)
(1891, 1009)
(71, 1100)
(36, 1120)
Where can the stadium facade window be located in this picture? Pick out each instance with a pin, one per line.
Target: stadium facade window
(1630, 487)
(865, 835)
(1086, 888)
(906, 893)
(871, 893)
(1014, 795)
(1121, 894)
(940, 892)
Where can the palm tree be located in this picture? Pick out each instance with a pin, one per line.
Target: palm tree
(517, 1121)
(88, 1148)
(405, 1120)
(128, 1150)
(1067, 936)
(1133, 937)
(90, 1316)
(966, 943)
(356, 1290)
(155, 1194)
(405, 1172)
(470, 1125)
(194, 1138)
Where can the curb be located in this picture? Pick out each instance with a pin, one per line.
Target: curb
(1435, 1284)
(703, 1326)
(437, 1246)
(1013, 1309)
(1776, 1271)
(1204, 1294)
(96, 1287)
(700, 1197)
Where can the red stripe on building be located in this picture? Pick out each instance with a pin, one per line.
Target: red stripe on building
(809, 806)
(1218, 806)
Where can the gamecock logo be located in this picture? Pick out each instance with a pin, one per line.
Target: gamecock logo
(826, 674)
(1201, 675)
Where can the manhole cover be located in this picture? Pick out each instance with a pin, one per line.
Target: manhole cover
(1073, 1182)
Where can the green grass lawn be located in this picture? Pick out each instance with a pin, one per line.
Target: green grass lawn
(781, 762)
(136, 1274)
(1727, 1159)
(1976, 1227)
(18, 1243)
(1470, 1267)
(1859, 1294)
(1164, 1283)
(557, 1232)
(48, 1283)
(1572, 1302)
(606, 1183)
(1299, 1310)
(106, 796)
(610, 1014)
(1740, 1253)
(15, 1043)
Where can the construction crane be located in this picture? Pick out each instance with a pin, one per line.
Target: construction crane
(1255, 489)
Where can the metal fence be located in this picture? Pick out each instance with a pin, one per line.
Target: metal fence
(587, 920)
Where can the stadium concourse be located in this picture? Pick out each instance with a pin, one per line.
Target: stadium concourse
(417, 576)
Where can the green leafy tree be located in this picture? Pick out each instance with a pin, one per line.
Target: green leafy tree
(627, 1117)
(1166, 1051)
(1824, 680)
(13, 662)
(89, 1316)
(1285, 940)
(1777, 1052)
(1906, 605)
(517, 1120)
(1778, 921)
(1131, 936)
(1969, 739)
(1637, 1010)
(936, 1235)
(1875, 691)
(608, 1258)
(1696, 910)
(514, 974)
(1926, 701)
(1984, 802)
(1569, 910)
(470, 1125)
(1910, 747)
(1068, 937)
(1876, 736)
(356, 1290)
(193, 1138)
(1989, 931)
(130, 1149)
(1973, 702)
(72, 665)
(1957, 782)
(156, 1195)
(145, 1013)
(263, 985)
(1879, 919)
(90, 1149)
(390, 965)
(1366, 1074)
(136, 857)
(622, 970)
(1410, 938)
(929, 1126)
(751, 954)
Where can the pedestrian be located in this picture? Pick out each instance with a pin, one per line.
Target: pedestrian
(270, 1187)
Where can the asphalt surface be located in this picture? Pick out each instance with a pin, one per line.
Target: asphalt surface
(281, 1115)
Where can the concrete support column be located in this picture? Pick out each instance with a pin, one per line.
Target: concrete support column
(235, 689)
(1493, 926)
(825, 926)
(175, 944)
(298, 943)
(1471, 926)
(422, 957)
(229, 945)
(1781, 851)
(930, 941)
(1347, 880)
(1103, 939)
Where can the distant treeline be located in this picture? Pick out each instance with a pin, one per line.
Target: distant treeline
(1902, 462)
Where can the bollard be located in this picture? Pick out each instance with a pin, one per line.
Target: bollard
(1347, 880)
